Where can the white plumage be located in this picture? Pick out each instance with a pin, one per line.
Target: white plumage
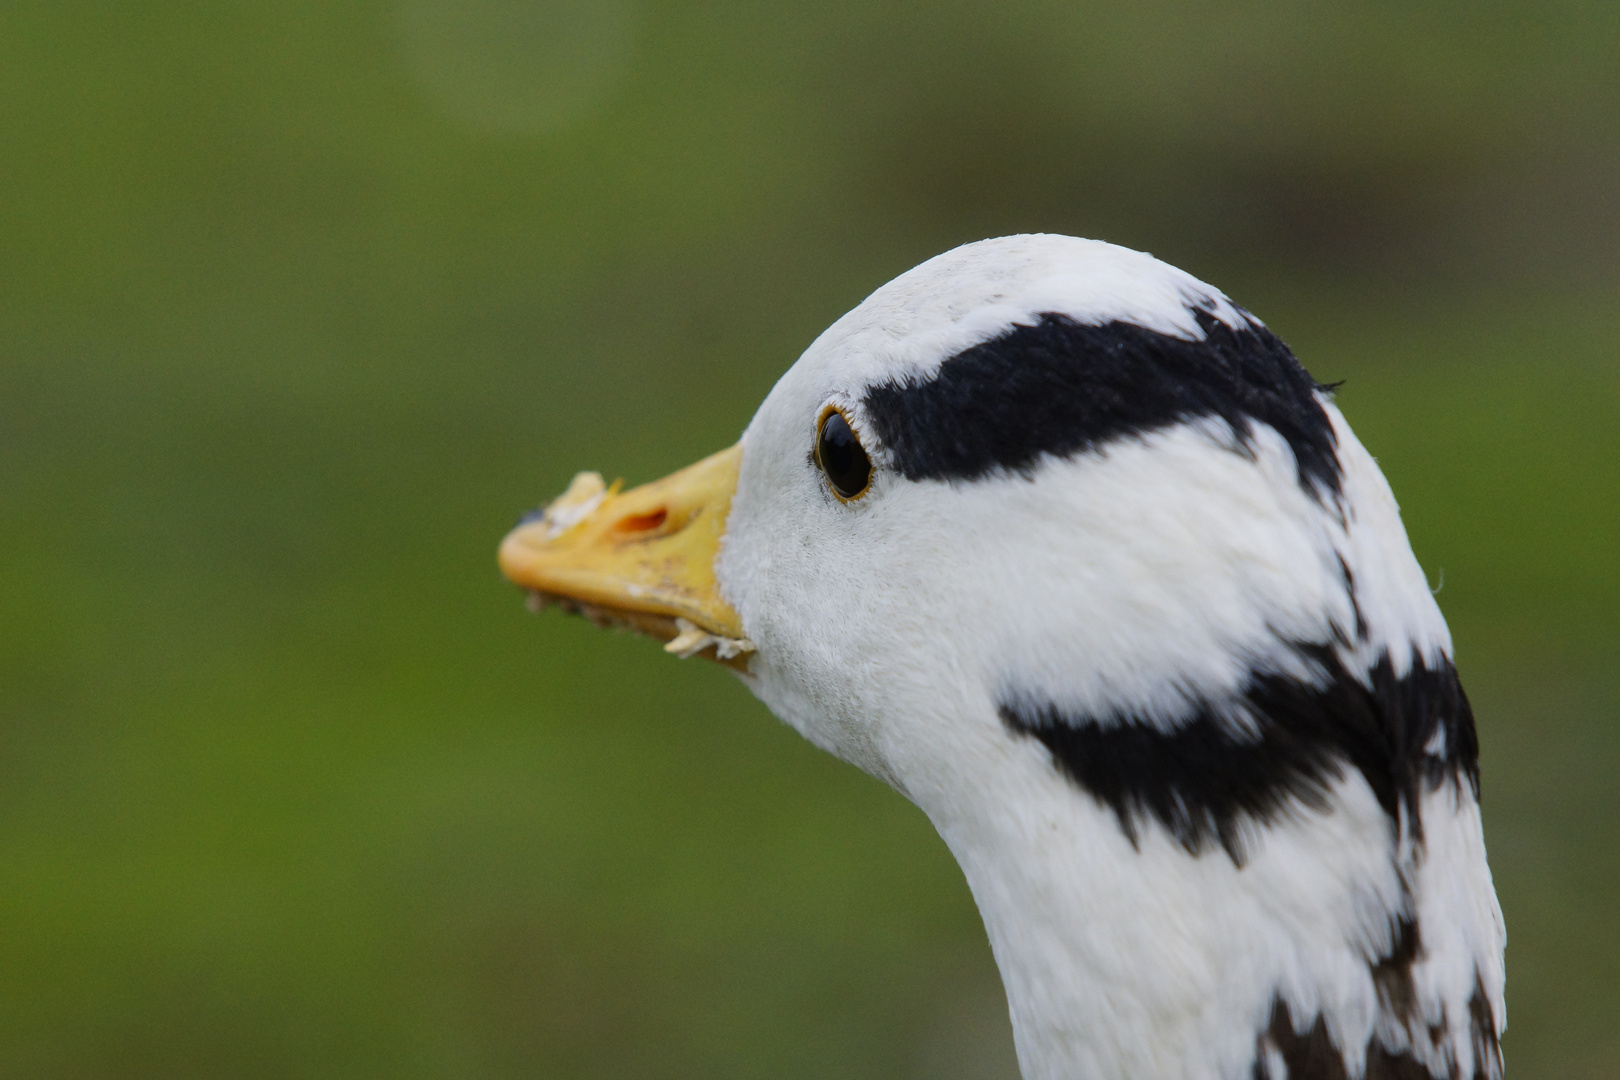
(1152, 660)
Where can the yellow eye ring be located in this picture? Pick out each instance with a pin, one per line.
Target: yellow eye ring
(840, 456)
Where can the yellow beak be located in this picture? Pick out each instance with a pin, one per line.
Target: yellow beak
(642, 559)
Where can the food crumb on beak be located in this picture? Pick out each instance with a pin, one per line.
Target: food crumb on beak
(693, 639)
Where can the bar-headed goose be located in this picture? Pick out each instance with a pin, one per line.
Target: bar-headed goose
(1071, 551)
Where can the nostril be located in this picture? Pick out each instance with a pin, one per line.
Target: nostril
(642, 522)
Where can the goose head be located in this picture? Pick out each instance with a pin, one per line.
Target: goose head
(1069, 549)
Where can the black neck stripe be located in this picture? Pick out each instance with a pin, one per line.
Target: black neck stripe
(1060, 387)
(1209, 784)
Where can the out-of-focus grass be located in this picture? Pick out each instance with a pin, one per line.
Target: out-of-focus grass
(289, 783)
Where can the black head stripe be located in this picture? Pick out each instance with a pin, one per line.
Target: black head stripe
(1062, 387)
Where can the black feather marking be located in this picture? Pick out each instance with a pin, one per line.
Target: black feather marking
(1482, 1033)
(1392, 973)
(1313, 1055)
(1362, 628)
(1060, 387)
(1208, 781)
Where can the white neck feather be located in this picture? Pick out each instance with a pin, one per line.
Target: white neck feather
(1126, 964)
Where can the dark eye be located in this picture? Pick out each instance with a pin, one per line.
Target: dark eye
(840, 456)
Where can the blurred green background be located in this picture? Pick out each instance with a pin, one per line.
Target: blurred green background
(302, 303)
